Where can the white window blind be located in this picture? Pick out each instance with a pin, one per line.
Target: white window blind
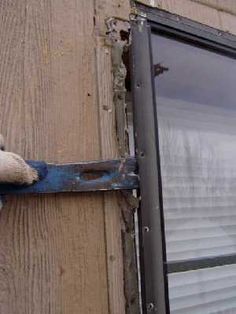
(198, 164)
(203, 291)
(196, 114)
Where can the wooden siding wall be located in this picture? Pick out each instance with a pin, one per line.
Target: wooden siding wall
(59, 253)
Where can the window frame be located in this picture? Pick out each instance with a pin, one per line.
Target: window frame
(154, 266)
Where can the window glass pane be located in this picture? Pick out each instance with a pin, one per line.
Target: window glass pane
(203, 291)
(196, 106)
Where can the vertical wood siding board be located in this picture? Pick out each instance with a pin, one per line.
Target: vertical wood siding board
(111, 208)
(72, 44)
(115, 247)
(89, 118)
(10, 62)
(60, 265)
(105, 101)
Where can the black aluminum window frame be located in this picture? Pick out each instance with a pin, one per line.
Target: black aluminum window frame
(154, 266)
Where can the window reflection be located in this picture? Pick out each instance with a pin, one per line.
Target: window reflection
(196, 108)
(197, 132)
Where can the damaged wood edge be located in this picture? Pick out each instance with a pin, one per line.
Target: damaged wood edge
(129, 204)
(112, 221)
(118, 46)
(118, 39)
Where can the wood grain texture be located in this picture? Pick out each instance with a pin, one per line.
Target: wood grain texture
(114, 223)
(218, 14)
(189, 9)
(112, 210)
(228, 6)
(52, 248)
(228, 22)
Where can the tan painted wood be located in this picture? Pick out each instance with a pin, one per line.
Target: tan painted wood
(52, 248)
(111, 209)
(228, 6)
(113, 220)
(228, 22)
(189, 9)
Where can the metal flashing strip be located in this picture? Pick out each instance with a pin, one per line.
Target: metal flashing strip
(80, 177)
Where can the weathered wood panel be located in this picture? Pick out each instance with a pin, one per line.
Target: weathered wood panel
(113, 217)
(105, 9)
(228, 6)
(228, 22)
(111, 208)
(218, 14)
(52, 248)
(189, 9)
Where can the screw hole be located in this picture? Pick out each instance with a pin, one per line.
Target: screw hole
(141, 154)
(150, 307)
(146, 229)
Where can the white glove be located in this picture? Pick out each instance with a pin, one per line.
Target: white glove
(13, 169)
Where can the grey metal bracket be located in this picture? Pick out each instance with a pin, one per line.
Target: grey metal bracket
(91, 176)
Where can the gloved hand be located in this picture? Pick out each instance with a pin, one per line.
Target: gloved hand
(13, 169)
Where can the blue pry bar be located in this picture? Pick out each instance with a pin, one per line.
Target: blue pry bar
(80, 177)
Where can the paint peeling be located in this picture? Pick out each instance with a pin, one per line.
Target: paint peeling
(118, 39)
(128, 204)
